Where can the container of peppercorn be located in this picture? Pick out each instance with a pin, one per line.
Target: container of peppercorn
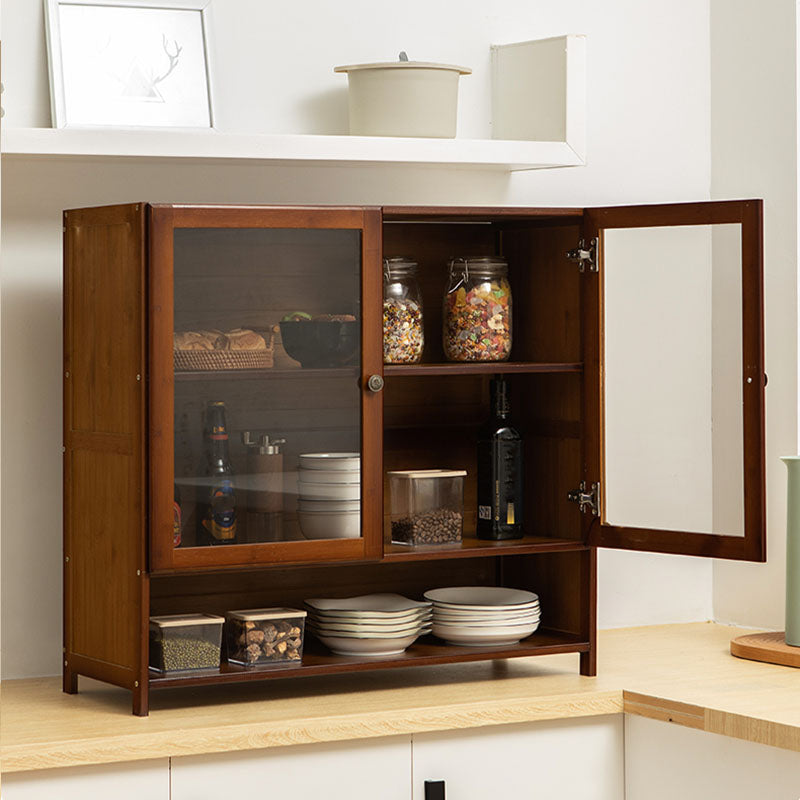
(427, 506)
(185, 642)
(264, 637)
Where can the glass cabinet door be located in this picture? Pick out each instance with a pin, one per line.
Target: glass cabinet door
(674, 370)
(259, 386)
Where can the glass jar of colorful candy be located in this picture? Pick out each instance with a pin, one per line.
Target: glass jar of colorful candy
(477, 310)
(403, 336)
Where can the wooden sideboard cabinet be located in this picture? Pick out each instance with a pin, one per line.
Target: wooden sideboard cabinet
(636, 378)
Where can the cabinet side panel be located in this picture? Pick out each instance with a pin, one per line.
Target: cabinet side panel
(104, 459)
(102, 549)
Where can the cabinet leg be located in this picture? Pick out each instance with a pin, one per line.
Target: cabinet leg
(70, 681)
(589, 663)
(141, 699)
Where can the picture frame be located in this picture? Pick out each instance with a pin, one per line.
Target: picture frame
(130, 63)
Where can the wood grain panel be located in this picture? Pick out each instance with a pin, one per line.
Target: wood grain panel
(161, 398)
(243, 216)
(102, 548)
(481, 368)
(751, 728)
(99, 336)
(480, 548)
(371, 364)
(686, 714)
(525, 215)
(558, 579)
(435, 401)
(547, 411)
(105, 597)
(546, 292)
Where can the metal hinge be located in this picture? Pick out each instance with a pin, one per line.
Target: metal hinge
(586, 499)
(582, 255)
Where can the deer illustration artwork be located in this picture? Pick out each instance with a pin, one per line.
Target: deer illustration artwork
(141, 82)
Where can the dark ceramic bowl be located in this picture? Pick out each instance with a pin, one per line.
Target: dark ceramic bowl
(321, 343)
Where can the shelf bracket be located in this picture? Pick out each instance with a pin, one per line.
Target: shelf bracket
(584, 499)
(582, 255)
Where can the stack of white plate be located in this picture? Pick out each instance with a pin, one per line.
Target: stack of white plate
(329, 495)
(369, 625)
(483, 616)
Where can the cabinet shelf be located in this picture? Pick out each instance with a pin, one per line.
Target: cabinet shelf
(483, 368)
(266, 374)
(478, 548)
(317, 660)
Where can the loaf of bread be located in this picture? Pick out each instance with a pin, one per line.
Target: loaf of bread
(244, 339)
(199, 340)
(238, 339)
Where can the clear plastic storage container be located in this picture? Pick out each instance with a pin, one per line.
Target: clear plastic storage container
(427, 506)
(264, 636)
(477, 310)
(403, 336)
(184, 642)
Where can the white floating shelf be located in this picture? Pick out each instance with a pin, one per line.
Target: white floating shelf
(538, 101)
(210, 147)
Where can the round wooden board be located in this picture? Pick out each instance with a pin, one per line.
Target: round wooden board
(769, 647)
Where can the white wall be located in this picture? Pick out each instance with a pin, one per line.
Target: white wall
(649, 137)
(754, 154)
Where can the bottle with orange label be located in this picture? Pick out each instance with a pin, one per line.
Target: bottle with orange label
(217, 521)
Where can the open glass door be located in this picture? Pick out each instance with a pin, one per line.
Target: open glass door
(674, 369)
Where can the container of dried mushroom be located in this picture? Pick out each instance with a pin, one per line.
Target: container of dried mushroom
(262, 637)
(185, 642)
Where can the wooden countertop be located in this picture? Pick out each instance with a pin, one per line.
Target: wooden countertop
(679, 673)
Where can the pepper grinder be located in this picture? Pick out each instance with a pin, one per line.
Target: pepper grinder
(265, 495)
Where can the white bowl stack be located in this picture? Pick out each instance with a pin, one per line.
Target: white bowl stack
(371, 625)
(329, 495)
(483, 616)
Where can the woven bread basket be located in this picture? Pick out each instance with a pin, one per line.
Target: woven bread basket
(220, 360)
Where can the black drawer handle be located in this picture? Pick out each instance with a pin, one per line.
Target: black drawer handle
(434, 790)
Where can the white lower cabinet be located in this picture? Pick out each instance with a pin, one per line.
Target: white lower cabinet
(667, 762)
(369, 769)
(571, 759)
(133, 780)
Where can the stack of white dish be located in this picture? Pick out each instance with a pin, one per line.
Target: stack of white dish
(369, 625)
(329, 495)
(483, 616)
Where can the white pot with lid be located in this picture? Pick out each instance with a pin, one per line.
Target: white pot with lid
(403, 98)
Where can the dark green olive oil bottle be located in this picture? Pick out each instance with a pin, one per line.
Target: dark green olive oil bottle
(500, 485)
